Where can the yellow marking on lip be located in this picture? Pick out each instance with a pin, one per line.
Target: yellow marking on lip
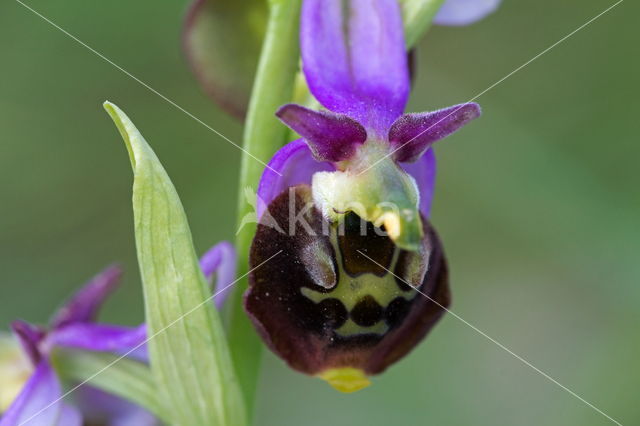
(350, 328)
(350, 290)
(345, 379)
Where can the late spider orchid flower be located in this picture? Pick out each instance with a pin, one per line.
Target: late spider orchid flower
(340, 304)
(40, 398)
(29, 384)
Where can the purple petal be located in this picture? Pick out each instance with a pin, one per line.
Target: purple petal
(69, 416)
(331, 137)
(365, 75)
(30, 337)
(84, 305)
(221, 260)
(296, 164)
(412, 134)
(99, 337)
(39, 401)
(464, 12)
(424, 173)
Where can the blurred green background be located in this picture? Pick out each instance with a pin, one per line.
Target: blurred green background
(537, 202)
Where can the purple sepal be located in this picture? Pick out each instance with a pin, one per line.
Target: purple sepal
(331, 137)
(411, 134)
(70, 416)
(99, 337)
(464, 12)
(221, 260)
(39, 402)
(296, 165)
(356, 64)
(424, 173)
(85, 304)
(29, 337)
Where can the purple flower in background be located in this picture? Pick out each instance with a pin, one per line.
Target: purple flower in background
(464, 12)
(342, 305)
(73, 326)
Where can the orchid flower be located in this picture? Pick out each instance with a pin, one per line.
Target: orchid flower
(339, 296)
(340, 305)
(73, 326)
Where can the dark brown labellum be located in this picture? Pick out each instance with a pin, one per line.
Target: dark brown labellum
(336, 297)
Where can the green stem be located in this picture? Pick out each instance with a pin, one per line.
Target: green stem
(123, 377)
(263, 136)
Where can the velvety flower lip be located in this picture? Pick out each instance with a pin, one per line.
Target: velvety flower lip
(302, 304)
(464, 12)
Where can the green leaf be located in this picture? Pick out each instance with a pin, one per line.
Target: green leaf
(263, 136)
(417, 16)
(189, 355)
(123, 377)
(222, 40)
